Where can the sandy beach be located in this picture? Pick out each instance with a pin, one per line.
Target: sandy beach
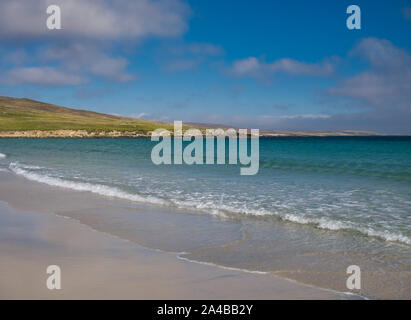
(97, 265)
(180, 149)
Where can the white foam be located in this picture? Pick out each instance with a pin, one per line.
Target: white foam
(2, 156)
(320, 223)
(203, 206)
(221, 266)
(220, 210)
(83, 186)
(26, 166)
(388, 236)
(323, 223)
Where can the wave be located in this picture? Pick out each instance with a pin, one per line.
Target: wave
(333, 225)
(221, 210)
(2, 156)
(319, 223)
(82, 186)
(224, 210)
(29, 167)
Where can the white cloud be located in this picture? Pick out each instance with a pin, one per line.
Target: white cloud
(81, 50)
(257, 68)
(381, 54)
(94, 18)
(387, 83)
(86, 58)
(71, 64)
(247, 66)
(47, 76)
(295, 67)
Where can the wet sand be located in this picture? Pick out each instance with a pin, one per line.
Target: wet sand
(97, 265)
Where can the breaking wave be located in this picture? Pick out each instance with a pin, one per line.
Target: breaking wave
(209, 207)
(82, 186)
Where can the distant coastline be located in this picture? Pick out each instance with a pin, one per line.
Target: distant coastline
(134, 134)
(25, 118)
(71, 134)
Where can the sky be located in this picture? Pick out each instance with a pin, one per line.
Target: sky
(278, 65)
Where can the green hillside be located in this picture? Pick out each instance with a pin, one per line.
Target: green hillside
(25, 114)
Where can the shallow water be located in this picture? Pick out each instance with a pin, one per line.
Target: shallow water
(316, 206)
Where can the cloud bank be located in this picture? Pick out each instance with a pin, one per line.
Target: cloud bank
(383, 89)
(82, 50)
(94, 18)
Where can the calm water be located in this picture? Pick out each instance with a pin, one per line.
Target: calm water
(335, 194)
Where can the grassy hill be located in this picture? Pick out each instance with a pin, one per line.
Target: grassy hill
(25, 114)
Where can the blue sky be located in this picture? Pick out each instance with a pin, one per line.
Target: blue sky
(281, 65)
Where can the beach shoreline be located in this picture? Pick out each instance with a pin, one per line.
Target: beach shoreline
(98, 265)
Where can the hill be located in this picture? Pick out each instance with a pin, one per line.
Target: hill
(30, 115)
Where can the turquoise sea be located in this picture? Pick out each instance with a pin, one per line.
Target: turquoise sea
(336, 198)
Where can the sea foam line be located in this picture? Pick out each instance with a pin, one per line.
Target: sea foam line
(103, 190)
(2, 155)
(83, 186)
(319, 223)
(326, 224)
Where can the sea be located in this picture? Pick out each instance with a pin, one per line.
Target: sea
(316, 206)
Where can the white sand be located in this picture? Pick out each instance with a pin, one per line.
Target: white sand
(96, 265)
